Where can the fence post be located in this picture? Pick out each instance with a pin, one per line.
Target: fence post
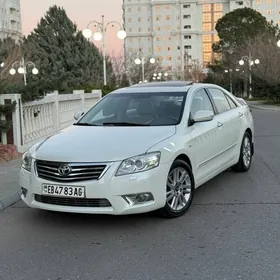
(55, 110)
(82, 95)
(16, 134)
(2, 118)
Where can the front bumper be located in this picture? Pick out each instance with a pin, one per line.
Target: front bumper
(110, 188)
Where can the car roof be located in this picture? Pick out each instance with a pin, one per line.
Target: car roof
(166, 86)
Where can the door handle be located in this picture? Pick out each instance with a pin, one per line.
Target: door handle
(220, 124)
(240, 114)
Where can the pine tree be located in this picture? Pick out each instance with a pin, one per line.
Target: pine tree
(65, 59)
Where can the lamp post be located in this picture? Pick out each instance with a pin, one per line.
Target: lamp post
(158, 76)
(100, 35)
(22, 69)
(251, 63)
(230, 76)
(141, 61)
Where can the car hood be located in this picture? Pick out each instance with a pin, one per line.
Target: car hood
(99, 144)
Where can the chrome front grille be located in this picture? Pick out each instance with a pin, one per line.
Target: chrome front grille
(68, 172)
(74, 202)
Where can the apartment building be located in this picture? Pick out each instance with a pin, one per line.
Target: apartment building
(10, 19)
(175, 31)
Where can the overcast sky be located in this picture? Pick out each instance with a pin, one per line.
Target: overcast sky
(81, 12)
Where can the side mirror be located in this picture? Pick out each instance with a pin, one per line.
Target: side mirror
(203, 116)
(78, 114)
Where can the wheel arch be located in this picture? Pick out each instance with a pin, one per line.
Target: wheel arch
(185, 158)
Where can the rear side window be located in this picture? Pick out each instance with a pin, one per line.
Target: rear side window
(220, 100)
(231, 103)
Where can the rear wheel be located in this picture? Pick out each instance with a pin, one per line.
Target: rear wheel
(246, 153)
(179, 190)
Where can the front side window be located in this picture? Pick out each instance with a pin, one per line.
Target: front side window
(201, 102)
(137, 109)
(220, 100)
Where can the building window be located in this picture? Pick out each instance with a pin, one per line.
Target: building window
(179, 58)
(129, 10)
(159, 38)
(186, 6)
(268, 12)
(206, 7)
(169, 48)
(158, 8)
(130, 30)
(168, 17)
(187, 37)
(160, 58)
(178, 48)
(168, 38)
(139, 19)
(218, 7)
(130, 20)
(158, 18)
(169, 58)
(187, 47)
(167, 7)
(206, 26)
(207, 47)
(168, 28)
(207, 57)
(187, 16)
(206, 38)
(218, 15)
(216, 38)
(259, 2)
(206, 17)
(268, 1)
(159, 48)
(187, 27)
(158, 28)
(139, 29)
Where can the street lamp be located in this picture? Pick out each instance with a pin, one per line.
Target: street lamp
(2, 64)
(251, 62)
(158, 76)
(230, 76)
(22, 69)
(141, 60)
(100, 35)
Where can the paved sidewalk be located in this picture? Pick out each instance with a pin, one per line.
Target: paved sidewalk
(259, 105)
(9, 183)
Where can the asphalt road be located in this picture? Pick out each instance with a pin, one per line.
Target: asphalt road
(232, 232)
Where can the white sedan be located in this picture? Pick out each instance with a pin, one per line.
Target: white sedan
(142, 148)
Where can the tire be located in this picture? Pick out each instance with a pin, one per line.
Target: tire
(181, 195)
(246, 154)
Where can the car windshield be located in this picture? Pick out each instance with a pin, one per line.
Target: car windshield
(136, 109)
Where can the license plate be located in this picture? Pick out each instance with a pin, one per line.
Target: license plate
(66, 191)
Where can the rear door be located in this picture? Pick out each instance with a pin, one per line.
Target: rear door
(229, 124)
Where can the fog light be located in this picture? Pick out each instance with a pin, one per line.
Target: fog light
(24, 191)
(140, 198)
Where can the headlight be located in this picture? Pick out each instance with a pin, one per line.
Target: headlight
(26, 161)
(139, 164)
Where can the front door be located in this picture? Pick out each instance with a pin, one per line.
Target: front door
(204, 137)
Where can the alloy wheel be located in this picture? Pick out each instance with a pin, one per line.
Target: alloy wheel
(178, 189)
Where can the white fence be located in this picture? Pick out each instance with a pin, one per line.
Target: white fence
(36, 120)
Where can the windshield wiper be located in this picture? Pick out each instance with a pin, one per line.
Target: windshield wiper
(85, 124)
(124, 124)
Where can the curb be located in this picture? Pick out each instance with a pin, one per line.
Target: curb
(12, 199)
(264, 109)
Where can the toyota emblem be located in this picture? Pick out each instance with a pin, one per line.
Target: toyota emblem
(64, 170)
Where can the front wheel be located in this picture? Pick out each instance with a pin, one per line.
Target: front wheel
(246, 153)
(179, 190)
